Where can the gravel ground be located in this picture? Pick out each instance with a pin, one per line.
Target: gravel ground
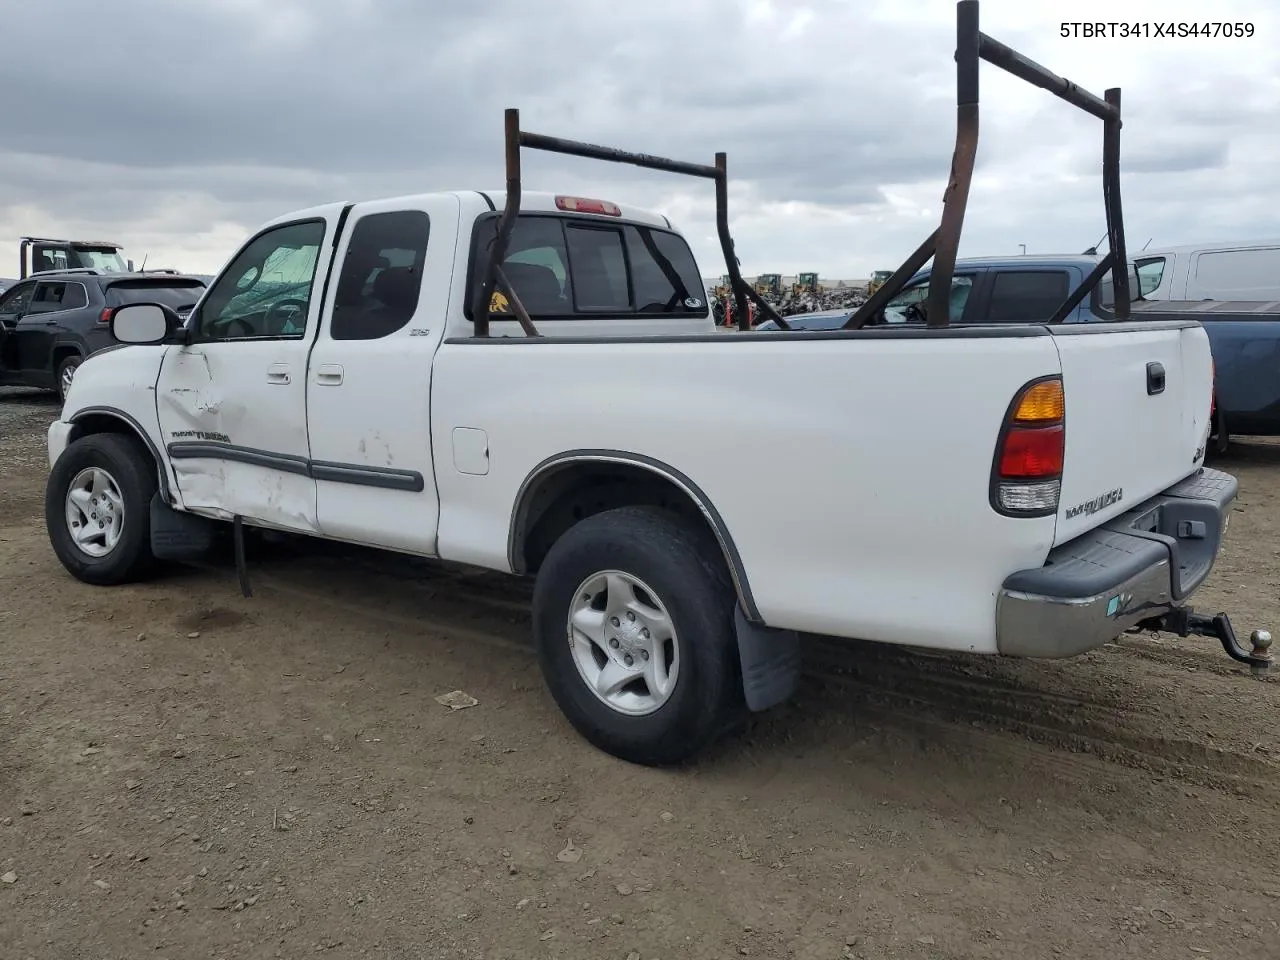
(186, 773)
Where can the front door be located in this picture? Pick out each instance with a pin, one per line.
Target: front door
(13, 304)
(369, 383)
(43, 324)
(232, 403)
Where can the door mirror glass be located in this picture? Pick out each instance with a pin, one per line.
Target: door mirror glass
(142, 323)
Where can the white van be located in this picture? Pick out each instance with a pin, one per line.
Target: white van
(1244, 270)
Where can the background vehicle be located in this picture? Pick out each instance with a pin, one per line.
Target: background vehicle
(51, 322)
(1010, 290)
(533, 384)
(878, 280)
(1243, 270)
(1244, 336)
(41, 255)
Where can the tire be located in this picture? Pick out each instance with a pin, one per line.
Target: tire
(66, 371)
(681, 568)
(130, 483)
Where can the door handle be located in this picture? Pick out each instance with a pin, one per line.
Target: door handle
(329, 374)
(1155, 378)
(278, 373)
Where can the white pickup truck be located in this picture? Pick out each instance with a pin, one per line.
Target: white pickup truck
(354, 374)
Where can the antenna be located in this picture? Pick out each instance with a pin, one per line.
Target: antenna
(1148, 243)
(143, 268)
(1093, 251)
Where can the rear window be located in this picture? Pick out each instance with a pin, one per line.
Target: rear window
(572, 267)
(168, 293)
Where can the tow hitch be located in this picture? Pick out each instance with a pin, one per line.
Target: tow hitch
(1184, 622)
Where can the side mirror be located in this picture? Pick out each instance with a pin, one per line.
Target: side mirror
(143, 323)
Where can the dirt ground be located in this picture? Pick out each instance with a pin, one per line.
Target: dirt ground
(186, 773)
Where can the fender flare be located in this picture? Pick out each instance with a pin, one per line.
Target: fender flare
(737, 571)
(137, 430)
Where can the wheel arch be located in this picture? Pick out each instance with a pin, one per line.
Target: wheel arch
(569, 486)
(91, 420)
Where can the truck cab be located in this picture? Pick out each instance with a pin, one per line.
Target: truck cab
(42, 255)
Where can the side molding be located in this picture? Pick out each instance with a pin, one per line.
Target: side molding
(667, 472)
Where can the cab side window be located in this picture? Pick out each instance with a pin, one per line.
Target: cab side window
(909, 305)
(381, 277)
(266, 292)
(1027, 296)
(48, 298)
(1150, 273)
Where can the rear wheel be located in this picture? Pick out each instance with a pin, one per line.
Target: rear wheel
(66, 373)
(97, 509)
(633, 619)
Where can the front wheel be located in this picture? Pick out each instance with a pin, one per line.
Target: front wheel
(97, 509)
(633, 620)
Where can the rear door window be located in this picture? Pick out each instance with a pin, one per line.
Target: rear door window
(1026, 296)
(565, 268)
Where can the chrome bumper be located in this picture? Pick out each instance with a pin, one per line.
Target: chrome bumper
(1137, 567)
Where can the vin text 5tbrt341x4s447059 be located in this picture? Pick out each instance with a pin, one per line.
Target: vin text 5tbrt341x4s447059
(532, 383)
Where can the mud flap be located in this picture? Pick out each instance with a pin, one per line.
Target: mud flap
(770, 662)
(180, 536)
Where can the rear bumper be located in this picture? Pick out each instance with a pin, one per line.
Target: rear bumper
(1136, 567)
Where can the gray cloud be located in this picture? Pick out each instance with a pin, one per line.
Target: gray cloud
(177, 122)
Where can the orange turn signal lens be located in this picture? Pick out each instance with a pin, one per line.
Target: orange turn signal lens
(1041, 403)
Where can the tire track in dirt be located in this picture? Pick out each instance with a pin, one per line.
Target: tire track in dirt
(937, 694)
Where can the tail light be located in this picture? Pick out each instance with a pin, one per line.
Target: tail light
(585, 205)
(1213, 388)
(105, 316)
(1026, 475)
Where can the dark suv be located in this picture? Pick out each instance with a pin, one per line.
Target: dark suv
(52, 321)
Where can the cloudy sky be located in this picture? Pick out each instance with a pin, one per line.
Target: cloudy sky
(175, 127)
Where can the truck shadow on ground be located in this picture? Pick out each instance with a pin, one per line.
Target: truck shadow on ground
(1130, 706)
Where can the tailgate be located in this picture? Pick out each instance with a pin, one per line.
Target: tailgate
(1128, 437)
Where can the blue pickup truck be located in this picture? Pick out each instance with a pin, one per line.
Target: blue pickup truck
(1245, 337)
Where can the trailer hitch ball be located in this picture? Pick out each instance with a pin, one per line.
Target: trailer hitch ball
(1261, 640)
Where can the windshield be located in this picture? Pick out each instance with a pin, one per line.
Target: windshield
(106, 259)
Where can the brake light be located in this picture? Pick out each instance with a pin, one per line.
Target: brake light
(583, 205)
(1026, 476)
(105, 316)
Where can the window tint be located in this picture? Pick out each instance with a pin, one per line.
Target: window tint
(266, 291)
(178, 296)
(1150, 273)
(599, 268)
(48, 297)
(381, 277)
(561, 267)
(899, 309)
(74, 297)
(1026, 296)
(664, 273)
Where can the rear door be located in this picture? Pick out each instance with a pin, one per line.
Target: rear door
(369, 375)
(1137, 417)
